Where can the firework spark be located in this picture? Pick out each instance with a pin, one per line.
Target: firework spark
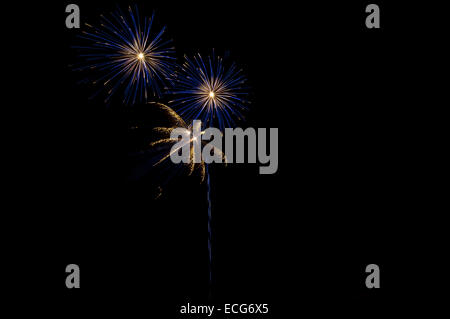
(208, 91)
(202, 167)
(128, 55)
(167, 142)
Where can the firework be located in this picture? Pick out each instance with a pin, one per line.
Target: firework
(167, 142)
(206, 90)
(128, 55)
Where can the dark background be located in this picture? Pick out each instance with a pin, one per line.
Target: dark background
(349, 105)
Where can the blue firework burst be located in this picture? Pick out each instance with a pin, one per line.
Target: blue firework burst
(205, 89)
(129, 56)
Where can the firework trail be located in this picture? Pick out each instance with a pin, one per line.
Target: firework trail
(208, 193)
(206, 90)
(128, 55)
(202, 167)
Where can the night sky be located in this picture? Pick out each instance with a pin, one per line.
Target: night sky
(349, 106)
